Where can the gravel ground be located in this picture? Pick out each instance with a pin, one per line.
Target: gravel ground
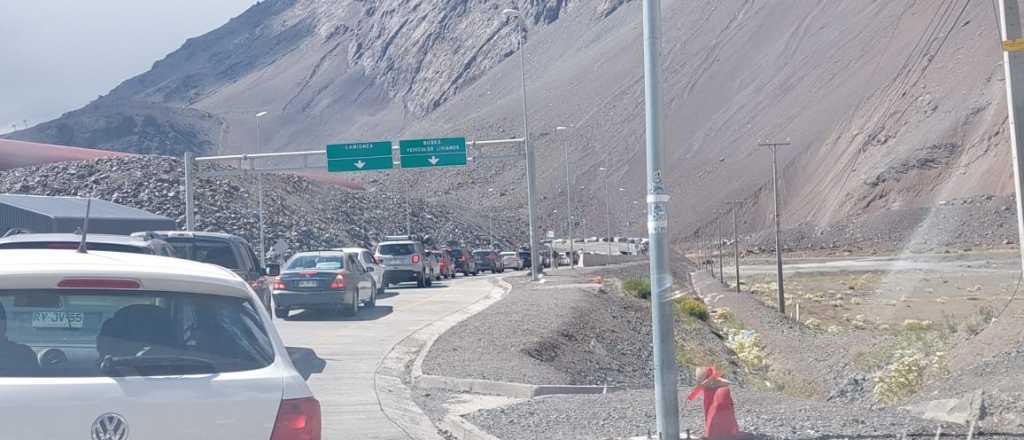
(631, 413)
(305, 213)
(809, 361)
(1000, 378)
(552, 333)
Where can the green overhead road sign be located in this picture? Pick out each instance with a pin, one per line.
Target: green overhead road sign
(431, 153)
(364, 156)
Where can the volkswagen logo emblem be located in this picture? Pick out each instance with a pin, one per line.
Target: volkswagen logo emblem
(110, 426)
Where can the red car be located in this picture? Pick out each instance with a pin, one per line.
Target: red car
(446, 264)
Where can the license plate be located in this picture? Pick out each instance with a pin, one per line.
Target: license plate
(309, 283)
(57, 319)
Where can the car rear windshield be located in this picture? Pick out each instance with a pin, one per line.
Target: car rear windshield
(217, 252)
(315, 262)
(112, 247)
(397, 249)
(94, 333)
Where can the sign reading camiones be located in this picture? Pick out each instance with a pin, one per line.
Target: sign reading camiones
(430, 153)
(363, 156)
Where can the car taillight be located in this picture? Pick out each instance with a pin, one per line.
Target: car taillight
(97, 283)
(297, 419)
(278, 284)
(339, 282)
(415, 259)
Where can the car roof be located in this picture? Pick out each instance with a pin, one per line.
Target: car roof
(187, 234)
(126, 240)
(354, 249)
(332, 252)
(508, 253)
(42, 268)
(399, 242)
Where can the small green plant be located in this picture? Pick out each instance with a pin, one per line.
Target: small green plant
(905, 375)
(748, 348)
(692, 307)
(638, 287)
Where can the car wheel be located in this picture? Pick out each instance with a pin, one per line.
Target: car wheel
(281, 312)
(372, 302)
(353, 308)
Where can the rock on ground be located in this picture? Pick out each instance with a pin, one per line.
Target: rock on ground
(305, 213)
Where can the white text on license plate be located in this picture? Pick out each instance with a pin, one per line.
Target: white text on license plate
(57, 319)
(310, 283)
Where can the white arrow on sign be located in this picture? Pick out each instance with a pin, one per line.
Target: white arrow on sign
(360, 164)
(433, 160)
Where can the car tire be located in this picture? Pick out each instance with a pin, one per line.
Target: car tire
(353, 308)
(372, 302)
(282, 312)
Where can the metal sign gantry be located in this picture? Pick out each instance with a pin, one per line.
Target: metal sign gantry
(247, 164)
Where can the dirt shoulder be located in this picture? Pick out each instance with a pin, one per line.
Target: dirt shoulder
(568, 330)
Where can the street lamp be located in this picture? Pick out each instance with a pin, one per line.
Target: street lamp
(490, 217)
(531, 182)
(568, 193)
(259, 193)
(607, 206)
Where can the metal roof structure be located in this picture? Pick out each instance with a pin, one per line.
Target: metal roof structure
(65, 214)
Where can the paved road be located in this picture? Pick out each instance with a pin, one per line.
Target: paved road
(354, 347)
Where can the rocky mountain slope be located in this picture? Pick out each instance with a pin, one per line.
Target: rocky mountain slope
(304, 213)
(889, 105)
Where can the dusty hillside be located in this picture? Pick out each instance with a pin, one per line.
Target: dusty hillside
(889, 104)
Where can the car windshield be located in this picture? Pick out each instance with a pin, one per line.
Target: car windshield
(73, 333)
(315, 262)
(92, 246)
(397, 249)
(217, 252)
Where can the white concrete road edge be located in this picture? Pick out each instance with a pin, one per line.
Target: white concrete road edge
(393, 374)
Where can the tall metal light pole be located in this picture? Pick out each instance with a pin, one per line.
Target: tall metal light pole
(490, 217)
(259, 191)
(773, 146)
(736, 240)
(666, 373)
(531, 183)
(721, 267)
(568, 197)
(1013, 66)
(607, 205)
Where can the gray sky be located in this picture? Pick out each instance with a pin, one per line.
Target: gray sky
(57, 55)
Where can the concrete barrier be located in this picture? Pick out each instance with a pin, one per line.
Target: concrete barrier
(593, 260)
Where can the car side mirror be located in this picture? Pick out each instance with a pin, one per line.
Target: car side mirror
(272, 270)
(306, 361)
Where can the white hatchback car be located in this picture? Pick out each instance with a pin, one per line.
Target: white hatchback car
(118, 346)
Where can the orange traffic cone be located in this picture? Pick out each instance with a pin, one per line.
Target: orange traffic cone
(719, 412)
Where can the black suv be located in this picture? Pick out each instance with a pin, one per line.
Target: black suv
(464, 262)
(94, 242)
(225, 250)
